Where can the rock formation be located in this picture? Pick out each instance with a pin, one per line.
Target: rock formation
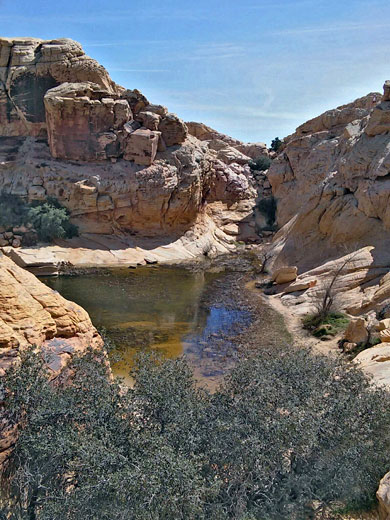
(119, 163)
(331, 186)
(383, 496)
(28, 68)
(205, 133)
(33, 314)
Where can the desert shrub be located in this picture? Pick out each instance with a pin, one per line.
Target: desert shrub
(267, 207)
(276, 144)
(13, 211)
(329, 324)
(49, 218)
(287, 435)
(50, 221)
(262, 163)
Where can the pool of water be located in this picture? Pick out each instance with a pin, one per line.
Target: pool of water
(163, 308)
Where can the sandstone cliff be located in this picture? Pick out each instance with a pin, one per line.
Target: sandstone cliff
(33, 314)
(332, 189)
(122, 165)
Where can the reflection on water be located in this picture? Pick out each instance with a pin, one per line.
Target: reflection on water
(159, 308)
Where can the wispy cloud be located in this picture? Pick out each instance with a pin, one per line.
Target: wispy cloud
(124, 43)
(240, 111)
(333, 28)
(280, 5)
(210, 51)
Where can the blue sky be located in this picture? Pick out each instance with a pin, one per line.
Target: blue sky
(254, 69)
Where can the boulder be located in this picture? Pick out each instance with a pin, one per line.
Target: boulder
(81, 121)
(141, 146)
(383, 496)
(136, 100)
(384, 335)
(149, 120)
(356, 331)
(284, 275)
(383, 324)
(300, 285)
(173, 130)
(375, 361)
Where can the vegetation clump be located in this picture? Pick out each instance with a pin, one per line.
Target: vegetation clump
(49, 218)
(289, 435)
(276, 144)
(329, 324)
(261, 164)
(266, 206)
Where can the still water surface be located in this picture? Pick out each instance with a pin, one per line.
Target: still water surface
(162, 308)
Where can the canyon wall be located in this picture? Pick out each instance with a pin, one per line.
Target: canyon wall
(331, 183)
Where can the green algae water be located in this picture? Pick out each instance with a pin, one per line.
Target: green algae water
(161, 308)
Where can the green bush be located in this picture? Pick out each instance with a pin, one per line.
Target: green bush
(49, 218)
(267, 207)
(325, 325)
(260, 164)
(13, 211)
(288, 434)
(276, 144)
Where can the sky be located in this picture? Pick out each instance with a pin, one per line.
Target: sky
(253, 69)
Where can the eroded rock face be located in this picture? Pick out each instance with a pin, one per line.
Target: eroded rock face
(332, 188)
(84, 121)
(383, 496)
(162, 199)
(119, 163)
(205, 133)
(28, 68)
(33, 314)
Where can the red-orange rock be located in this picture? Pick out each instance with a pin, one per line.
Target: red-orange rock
(82, 119)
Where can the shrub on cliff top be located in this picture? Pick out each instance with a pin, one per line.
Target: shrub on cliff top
(287, 435)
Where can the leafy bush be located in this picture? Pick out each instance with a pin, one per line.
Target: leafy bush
(51, 221)
(262, 163)
(287, 435)
(49, 218)
(276, 144)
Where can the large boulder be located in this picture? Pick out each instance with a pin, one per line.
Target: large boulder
(28, 68)
(83, 121)
(285, 274)
(356, 331)
(141, 146)
(173, 130)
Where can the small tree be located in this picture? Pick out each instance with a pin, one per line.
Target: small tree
(276, 144)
